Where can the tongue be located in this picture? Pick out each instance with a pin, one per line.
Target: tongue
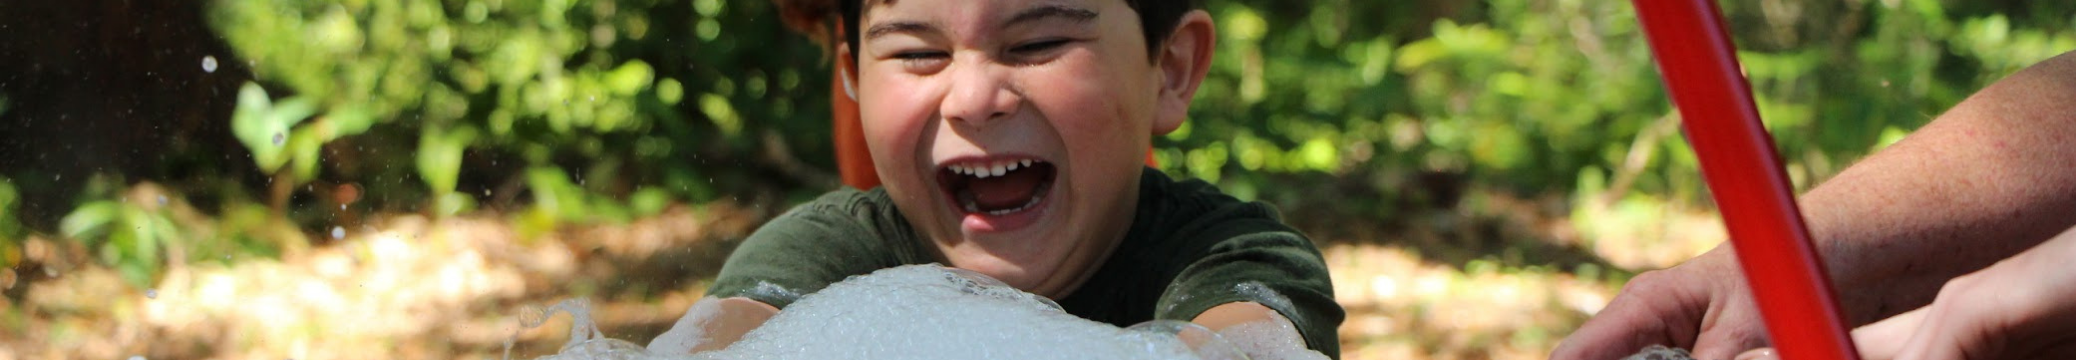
(1008, 191)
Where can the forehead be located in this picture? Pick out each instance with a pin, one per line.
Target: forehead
(982, 12)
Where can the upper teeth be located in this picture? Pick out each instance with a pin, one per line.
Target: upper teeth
(991, 169)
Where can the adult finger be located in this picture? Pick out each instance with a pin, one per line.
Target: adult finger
(1731, 326)
(1656, 308)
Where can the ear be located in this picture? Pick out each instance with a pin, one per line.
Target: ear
(1183, 60)
(847, 69)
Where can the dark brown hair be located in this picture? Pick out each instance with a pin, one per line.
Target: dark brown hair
(1157, 18)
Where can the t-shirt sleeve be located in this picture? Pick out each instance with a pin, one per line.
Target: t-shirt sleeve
(800, 252)
(1262, 261)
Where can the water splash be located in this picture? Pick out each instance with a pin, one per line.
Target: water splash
(585, 340)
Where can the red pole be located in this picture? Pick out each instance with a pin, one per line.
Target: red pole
(1744, 175)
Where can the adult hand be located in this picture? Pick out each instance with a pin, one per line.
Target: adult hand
(2021, 308)
(1702, 304)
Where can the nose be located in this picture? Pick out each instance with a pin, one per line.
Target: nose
(980, 94)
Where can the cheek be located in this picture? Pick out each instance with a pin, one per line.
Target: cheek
(894, 118)
(1099, 114)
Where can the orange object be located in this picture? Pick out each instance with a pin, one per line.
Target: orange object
(853, 159)
(1699, 62)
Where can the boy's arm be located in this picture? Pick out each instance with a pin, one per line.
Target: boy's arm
(712, 324)
(1257, 330)
(1993, 176)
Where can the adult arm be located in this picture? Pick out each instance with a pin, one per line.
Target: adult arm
(1993, 176)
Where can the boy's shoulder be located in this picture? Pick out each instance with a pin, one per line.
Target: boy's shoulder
(1187, 209)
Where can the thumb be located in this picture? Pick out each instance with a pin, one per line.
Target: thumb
(1878, 341)
(1728, 342)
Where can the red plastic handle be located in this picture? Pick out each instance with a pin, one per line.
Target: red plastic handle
(1744, 175)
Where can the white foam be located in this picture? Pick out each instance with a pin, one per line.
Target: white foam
(919, 312)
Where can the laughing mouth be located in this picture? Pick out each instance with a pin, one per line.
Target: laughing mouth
(997, 187)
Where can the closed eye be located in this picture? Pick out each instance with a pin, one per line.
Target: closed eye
(923, 62)
(1036, 47)
(920, 55)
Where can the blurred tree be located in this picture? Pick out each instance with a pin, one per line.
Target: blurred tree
(613, 96)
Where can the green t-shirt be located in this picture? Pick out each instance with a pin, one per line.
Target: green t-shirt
(1189, 248)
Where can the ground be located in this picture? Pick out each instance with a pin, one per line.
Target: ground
(1495, 278)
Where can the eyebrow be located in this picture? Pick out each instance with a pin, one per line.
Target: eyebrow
(1042, 12)
(1048, 11)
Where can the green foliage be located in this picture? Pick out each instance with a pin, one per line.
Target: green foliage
(550, 83)
(137, 229)
(667, 99)
(270, 130)
(128, 235)
(1538, 95)
(439, 162)
(263, 126)
(11, 230)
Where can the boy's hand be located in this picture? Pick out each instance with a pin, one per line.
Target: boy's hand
(1260, 332)
(1702, 304)
(712, 324)
(2020, 308)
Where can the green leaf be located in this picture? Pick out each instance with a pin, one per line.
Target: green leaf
(439, 157)
(89, 220)
(630, 78)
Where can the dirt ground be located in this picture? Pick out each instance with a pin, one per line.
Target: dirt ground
(1498, 279)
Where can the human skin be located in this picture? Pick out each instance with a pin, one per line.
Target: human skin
(1992, 177)
(2019, 308)
(959, 82)
(952, 82)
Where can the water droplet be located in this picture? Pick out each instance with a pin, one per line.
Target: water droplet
(151, 293)
(342, 207)
(209, 63)
(338, 233)
(59, 177)
(279, 138)
(162, 200)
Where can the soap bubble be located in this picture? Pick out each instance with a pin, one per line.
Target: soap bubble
(917, 312)
(1206, 344)
(1660, 352)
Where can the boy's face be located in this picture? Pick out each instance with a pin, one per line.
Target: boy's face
(1054, 100)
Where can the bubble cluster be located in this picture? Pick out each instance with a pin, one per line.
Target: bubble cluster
(927, 312)
(1660, 352)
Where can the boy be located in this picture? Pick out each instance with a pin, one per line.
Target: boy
(1009, 135)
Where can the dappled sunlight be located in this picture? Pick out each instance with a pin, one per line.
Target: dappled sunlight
(260, 179)
(1402, 307)
(411, 287)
